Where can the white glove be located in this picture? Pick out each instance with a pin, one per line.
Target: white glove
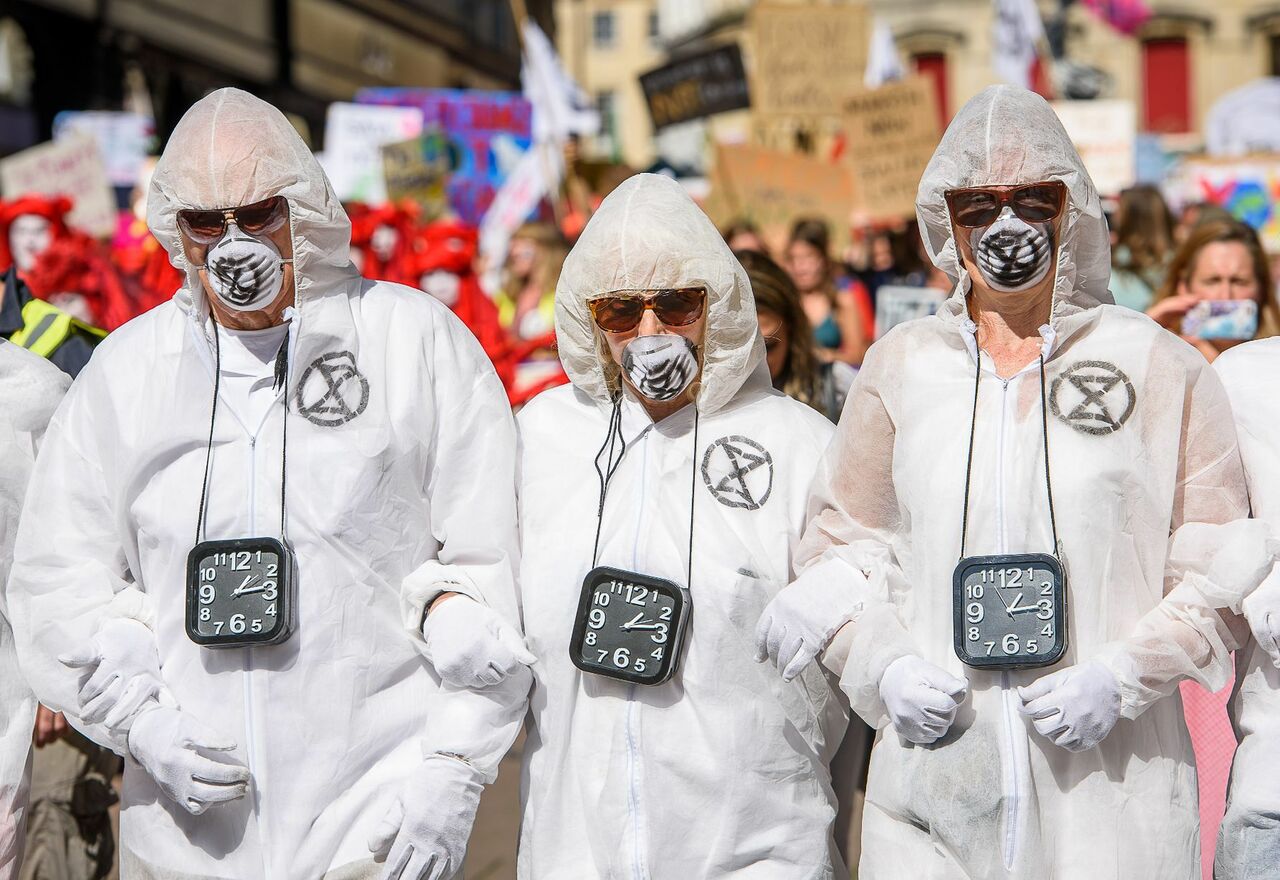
(921, 698)
(1262, 610)
(123, 673)
(799, 622)
(168, 743)
(1074, 707)
(424, 834)
(470, 645)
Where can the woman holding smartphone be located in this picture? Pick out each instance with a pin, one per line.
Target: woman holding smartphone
(1218, 292)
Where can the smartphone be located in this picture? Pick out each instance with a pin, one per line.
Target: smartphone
(1222, 319)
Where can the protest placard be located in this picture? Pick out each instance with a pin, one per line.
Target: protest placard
(695, 87)
(773, 189)
(896, 304)
(353, 139)
(891, 132)
(125, 140)
(416, 170)
(806, 61)
(1248, 187)
(71, 167)
(1103, 133)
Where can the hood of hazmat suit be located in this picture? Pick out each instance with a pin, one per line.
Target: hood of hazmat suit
(1140, 441)
(30, 389)
(400, 484)
(722, 770)
(1248, 845)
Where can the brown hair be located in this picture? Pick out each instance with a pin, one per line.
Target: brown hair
(814, 232)
(1226, 231)
(775, 292)
(1144, 225)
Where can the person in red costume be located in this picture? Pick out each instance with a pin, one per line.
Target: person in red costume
(382, 239)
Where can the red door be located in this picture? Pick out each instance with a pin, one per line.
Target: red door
(1166, 86)
(933, 65)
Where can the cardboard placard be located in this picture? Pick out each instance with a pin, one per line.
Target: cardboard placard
(773, 189)
(353, 139)
(70, 167)
(125, 140)
(696, 87)
(1103, 133)
(891, 132)
(416, 170)
(808, 58)
(1248, 187)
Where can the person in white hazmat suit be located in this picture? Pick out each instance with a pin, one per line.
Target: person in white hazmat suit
(352, 437)
(30, 389)
(1249, 837)
(720, 770)
(1067, 756)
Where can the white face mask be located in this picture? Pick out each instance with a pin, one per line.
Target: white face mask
(29, 236)
(1011, 254)
(660, 367)
(442, 285)
(245, 271)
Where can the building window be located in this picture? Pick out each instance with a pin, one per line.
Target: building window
(933, 66)
(1166, 85)
(1273, 43)
(654, 36)
(602, 29)
(606, 102)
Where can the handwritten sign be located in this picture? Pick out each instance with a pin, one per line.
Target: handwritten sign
(891, 132)
(1248, 187)
(1103, 133)
(695, 87)
(416, 170)
(353, 139)
(70, 167)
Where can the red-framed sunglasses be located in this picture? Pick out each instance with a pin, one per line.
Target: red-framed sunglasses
(980, 206)
(260, 218)
(618, 313)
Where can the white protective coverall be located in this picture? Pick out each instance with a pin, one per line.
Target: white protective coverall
(400, 484)
(1249, 837)
(30, 388)
(1140, 441)
(723, 770)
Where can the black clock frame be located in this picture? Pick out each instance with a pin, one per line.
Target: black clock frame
(1008, 560)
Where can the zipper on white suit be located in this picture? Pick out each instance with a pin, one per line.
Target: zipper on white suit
(635, 797)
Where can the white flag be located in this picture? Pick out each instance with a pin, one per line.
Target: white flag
(883, 63)
(560, 108)
(1013, 46)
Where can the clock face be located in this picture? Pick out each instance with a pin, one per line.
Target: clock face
(1009, 611)
(629, 626)
(240, 593)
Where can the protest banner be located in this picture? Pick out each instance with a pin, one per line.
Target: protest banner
(896, 304)
(70, 167)
(488, 132)
(696, 87)
(1103, 133)
(1248, 187)
(891, 132)
(354, 135)
(125, 140)
(807, 61)
(416, 170)
(773, 189)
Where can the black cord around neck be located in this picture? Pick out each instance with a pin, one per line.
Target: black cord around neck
(973, 430)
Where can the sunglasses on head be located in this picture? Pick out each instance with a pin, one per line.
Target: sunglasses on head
(618, 313)
(1033, 203)
(264, 217)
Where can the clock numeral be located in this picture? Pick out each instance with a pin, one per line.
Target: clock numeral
(271, 569)
(974, 591)
(236, 623)
(973, 634)
(240, 560)
(271, 609)
(1047, 630)
(665, 613)
(602, 599)
(217, 627)
(256, 625)
(621, 658)
(975, 612)
(590, 638)
(269, 594)
(1046, 609)
(657, 654)
(639, 664)
(989, 645)
(1032, 646)
(205, 614)
(603, 654)
(595, 619)
(207, 594)
(988, 576)
(1046, 588)
(641, 593)
(208, 573)
(1010, 643)
(660, 636)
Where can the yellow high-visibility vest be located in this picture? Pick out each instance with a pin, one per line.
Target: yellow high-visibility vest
(45, 327)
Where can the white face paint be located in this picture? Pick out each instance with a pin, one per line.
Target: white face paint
(442, 285)
(1011, 254)
(660, 367)
(29, 236)
(245, 271)
(384, 241)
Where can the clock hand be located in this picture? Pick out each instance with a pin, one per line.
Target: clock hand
(1017, 608)
(248, 579)
(257, 589)
(1004, 603)
(634, 623)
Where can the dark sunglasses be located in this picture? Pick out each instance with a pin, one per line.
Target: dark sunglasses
(264, 217)
(675, 308)
(1033, 203)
